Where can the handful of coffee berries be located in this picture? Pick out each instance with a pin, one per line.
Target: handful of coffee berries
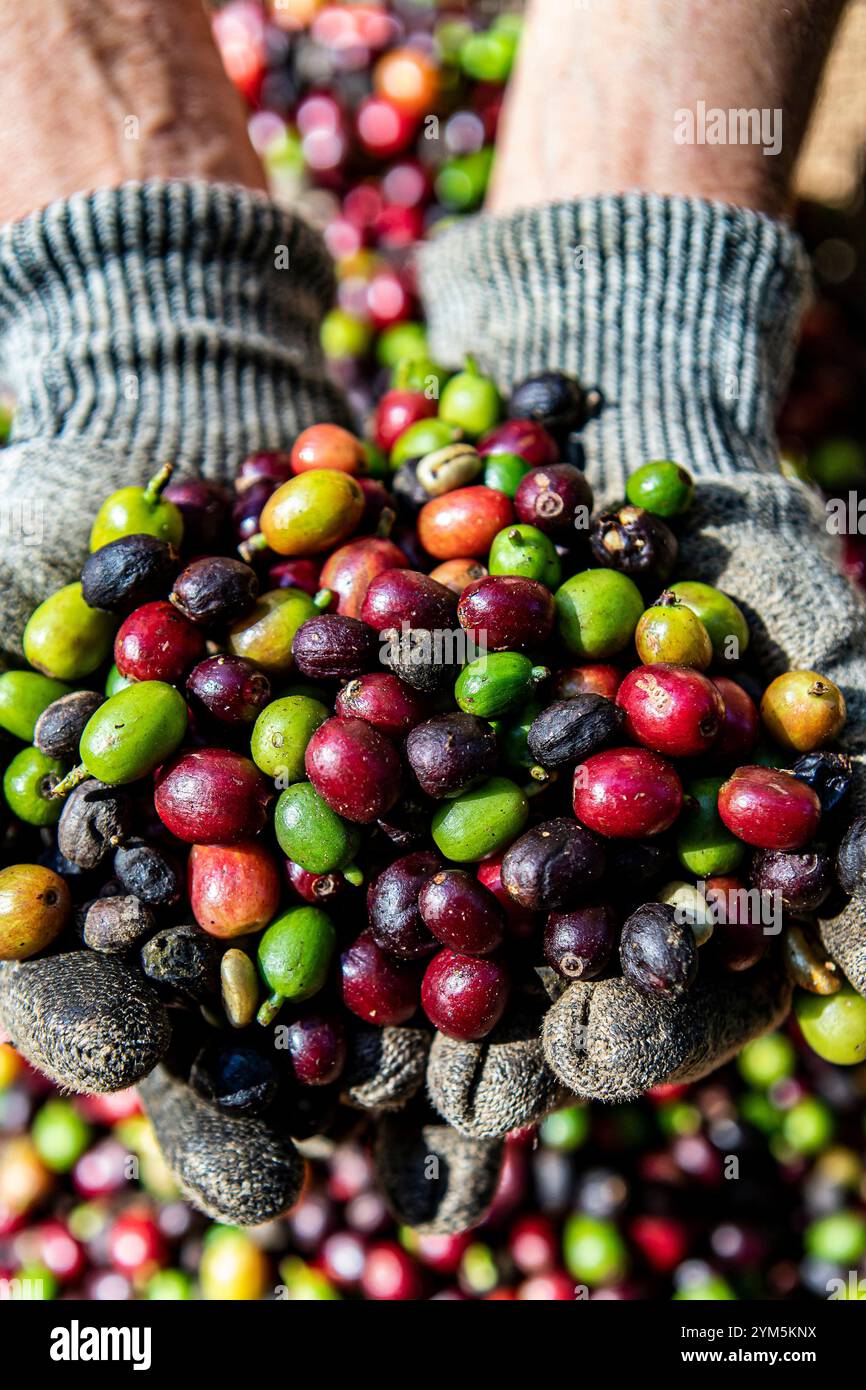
(381, 739)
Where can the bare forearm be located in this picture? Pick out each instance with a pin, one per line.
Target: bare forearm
(598, 100)
(95, 92)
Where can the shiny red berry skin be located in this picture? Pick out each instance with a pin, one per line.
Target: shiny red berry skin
(317, 1049)
(461, 912)
(296, 574)
(741, 722)
(463, 523)
(211, 796)
(627, 793)
(354, 768)
(313, 888)
(769, 808)
(384, 701)
(135, 1243)
(206, 511)
(390, 1274)
(407, 596)
(271, 466)
(519, 923)
(507, 613)
(157, 643)
(671, 709)
(595, 678)
(376, 987)
(524, 437)
(738, 941)
(396, 411)
(351, 569)
(464, 996)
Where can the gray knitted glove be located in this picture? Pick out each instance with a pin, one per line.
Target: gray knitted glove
(683, 313)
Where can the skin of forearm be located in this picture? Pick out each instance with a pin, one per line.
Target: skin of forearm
(95, 92)
(594, 102)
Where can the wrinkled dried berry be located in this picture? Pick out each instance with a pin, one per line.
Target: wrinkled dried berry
(237, 1079)
(59, 727)
(116, 924)
(215, 591)
(551, 864)
(128, 572)
(148, 873)
(332, 647)
(828, 774)
(636, 543)
(658, 954)
(184, 961)
(94, 821)
(851, 859)
(415, 656)
(570, 730)
(451, 753)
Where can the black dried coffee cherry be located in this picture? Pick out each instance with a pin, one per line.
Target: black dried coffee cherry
(184, 961)
(215, 591)
(116, 923)
(635, 865)
(334, 647)
(556, 401)
(851, 859)
(829, 775)
(658, 954)
(95, 819)
(636, 543)
(128, 572)
(579, 944)
(237, 1079)
(548, 866)
(803, 879)
(568, 731)
(148, 873)
(59, 727)
(414, 656)
(451, 753)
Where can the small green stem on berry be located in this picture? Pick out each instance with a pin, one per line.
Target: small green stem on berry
(269, 1010)
(69, 782)
(157, 485)
(323, 600)
(248, 548)
(352, 874)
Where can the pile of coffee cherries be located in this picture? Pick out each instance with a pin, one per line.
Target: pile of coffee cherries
(376, 122)
(440, 728)
(600, 1202)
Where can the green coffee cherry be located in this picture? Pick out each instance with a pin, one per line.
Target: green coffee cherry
(401, 340)
(505, 472)
(309, 832)
(28, 783)
(834, 1025)
(598, 611)
(480, 822)
(23, 697)
(491, 685)
(65, 639)
(470, 401)
(526, 551)
(462, 182)
(664, 488)
(281, 734)
(724, 621)
(294, 955)
(133, 511)
(131, 734)
(704, 845)
(593, 1250)
(424, 437)
(114, 681)
(60, 1135)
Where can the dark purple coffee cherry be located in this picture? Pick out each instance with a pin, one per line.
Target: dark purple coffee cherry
(451, 753)
(551, 864)
(228, 688)
(396, 925)
(554, 400)
(333, 647)
(556, 499)
(802, 879)
(633, 866)
(317, 1049)
(636, 543)
(579, 944)
(206, 511)
(215, 591)
(569, 731)
(507, 613)
(59, 727)
(461, 912)
(658, 954)
(128, 572)
(248, 508)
